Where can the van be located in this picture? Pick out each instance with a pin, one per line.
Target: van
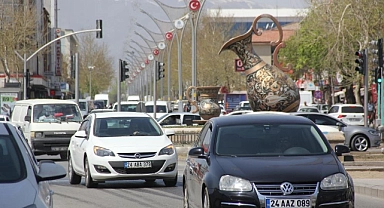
(85, 106)
(161, 108)
(103, 98)
(133, 98)
(127, 106)
(47, 124)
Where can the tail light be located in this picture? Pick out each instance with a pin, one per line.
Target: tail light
(341, 116)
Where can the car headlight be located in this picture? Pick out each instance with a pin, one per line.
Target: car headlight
(334, 182)
(168, 150)
(36, 134)
(101, 151)
(232, 183)
(374, 133)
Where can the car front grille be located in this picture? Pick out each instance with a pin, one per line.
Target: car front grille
(274, 189)
(118, 166)
(137, 155)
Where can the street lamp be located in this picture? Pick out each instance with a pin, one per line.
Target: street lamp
(90, 80)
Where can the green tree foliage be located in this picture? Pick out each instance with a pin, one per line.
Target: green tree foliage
(329, 36)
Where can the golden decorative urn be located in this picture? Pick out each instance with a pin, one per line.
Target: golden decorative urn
(268, 87)
(208, 100)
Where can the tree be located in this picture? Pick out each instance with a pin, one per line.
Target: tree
(18, 33)
(93, 54)
(329, 36)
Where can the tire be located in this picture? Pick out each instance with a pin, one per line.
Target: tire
(89, 183)
(73, 177)
(206, 202)
(359, 143)
(64, 155)
(186, 197)
(170, 182)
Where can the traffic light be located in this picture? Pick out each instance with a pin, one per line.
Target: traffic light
(124, 70)
(361, 60)
(99, 25)
(28, 78)
(160, 70)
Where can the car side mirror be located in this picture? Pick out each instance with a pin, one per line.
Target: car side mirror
(339, 126)
(169, 132)
(81, 134)
(197, 152)
(340, 149)
(27, 118)
(49, 170)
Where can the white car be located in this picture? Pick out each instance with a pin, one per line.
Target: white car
(351, 114)
(121, 146)
(175, 119)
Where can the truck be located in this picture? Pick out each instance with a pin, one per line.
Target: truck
(232, 100)
(306, 96)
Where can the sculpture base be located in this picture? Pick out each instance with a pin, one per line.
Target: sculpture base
(199, 122)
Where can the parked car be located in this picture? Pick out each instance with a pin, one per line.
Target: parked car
(358, 138)
(265, 160)
(121, 146)
(323, 108)
(308, 109)
(24, 180)
(4, 118)
(178, 119)
(352, 114)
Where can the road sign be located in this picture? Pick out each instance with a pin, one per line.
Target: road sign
(318, 94)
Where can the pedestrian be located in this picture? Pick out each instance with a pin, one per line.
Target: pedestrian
(371, 112)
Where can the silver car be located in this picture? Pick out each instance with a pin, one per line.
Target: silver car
(23, 180)
(358, 138)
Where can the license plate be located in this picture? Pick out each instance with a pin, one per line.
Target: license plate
(59, 148)
(295, 203)
(144, 164)
(354, 119)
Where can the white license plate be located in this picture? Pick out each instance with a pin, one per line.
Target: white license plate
(145, 164)
(59, 148)
(354, 119)
(295, 203)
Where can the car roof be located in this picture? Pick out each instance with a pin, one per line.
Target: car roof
(45, 101)
(161, 102)
(260, 118)
(121, 114)
(341, 104)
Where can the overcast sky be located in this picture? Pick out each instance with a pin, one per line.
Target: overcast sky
(119, 16)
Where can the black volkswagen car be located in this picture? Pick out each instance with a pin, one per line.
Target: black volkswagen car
(265, 161)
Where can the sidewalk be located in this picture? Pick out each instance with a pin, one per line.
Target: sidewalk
(366, 186)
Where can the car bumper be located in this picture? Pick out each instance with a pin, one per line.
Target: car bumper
(375, 140)
(319, 199)
(112, 168)
(50, 145)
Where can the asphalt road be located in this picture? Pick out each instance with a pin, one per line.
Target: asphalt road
(137, 193)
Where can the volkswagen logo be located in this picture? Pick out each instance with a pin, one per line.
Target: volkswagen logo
(137, 155)
(286, 188)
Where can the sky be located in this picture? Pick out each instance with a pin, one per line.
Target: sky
(120, 17)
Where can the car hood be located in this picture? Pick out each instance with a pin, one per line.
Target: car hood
(20, 194)
(133, 143)
(358, 128)
(280, 169)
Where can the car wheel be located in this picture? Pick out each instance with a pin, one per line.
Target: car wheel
(186, 197)
(73, 177)
(89, 183)
(359, 143)
(206, 202)
(170, 182)
(64, 155)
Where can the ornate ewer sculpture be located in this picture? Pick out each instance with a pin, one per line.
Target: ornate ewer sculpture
(268, 87)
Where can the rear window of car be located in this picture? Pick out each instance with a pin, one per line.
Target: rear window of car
(352, 109)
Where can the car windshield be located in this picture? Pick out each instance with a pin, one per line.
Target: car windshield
(126, 126)
(56, 113)
(352, 109)
(11, 166)
(126, 107)
(83, 106)
(269, 140)
(159, 108)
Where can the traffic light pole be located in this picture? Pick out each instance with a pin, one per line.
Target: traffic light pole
(365, 68)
